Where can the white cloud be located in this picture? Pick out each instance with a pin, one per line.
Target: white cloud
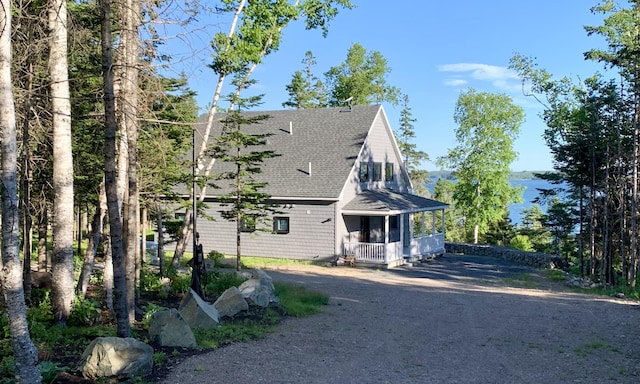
(501, 77)
(455, 82)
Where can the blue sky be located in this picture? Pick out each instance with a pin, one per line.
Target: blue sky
(437, 49)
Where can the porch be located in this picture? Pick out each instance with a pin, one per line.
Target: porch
(389, 228)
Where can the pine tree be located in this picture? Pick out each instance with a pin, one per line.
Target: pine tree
(413, 157)
(247, 205)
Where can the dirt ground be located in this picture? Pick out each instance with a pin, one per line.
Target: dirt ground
(456, 319)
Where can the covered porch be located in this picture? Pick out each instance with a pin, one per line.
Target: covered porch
(389, 228)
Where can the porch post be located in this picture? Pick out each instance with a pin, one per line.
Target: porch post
(433, 222)
(386, 237)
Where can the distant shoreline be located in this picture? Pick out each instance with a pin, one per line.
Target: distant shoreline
(521, 175)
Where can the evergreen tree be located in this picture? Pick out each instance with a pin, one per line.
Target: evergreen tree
(247, 205)
(305, 89)
(413, 157)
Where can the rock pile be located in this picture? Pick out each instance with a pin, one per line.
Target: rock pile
(125, 358)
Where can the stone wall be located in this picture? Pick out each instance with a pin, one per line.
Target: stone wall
(534, 259)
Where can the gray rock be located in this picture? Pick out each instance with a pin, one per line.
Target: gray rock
(115, 357)
(259, 289)
(168, 329)
(231, 302)
(197, 313)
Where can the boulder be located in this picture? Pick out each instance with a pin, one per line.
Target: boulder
(231, 302)
(168, 329)
(197, 313)
(116, 358)
(259, 289)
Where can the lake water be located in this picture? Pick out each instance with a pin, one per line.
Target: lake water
(530, 193)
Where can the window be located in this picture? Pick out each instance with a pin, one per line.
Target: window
(248, 224)
(281, 225)
(388, 172)
(180, 215)
(377, 171)
(364, 172)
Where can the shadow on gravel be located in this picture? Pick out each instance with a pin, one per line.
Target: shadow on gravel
(454, 267)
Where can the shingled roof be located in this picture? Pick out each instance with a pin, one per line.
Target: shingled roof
(385, 202)
(326, 141)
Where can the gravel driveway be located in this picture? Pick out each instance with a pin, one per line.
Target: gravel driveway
(456, 319)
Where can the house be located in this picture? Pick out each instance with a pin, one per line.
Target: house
(341, 188)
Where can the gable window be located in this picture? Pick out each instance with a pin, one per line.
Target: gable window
(248, 224)
(364, 172)
(377, 171)
(281, 225)
(388, 172)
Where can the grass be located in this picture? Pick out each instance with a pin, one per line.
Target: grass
(299, 301)
(555, 275)
(266, 262)
(522, 280)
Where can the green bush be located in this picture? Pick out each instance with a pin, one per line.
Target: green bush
(85, 312)
(218, 282)
(180, 283)
(521, 242)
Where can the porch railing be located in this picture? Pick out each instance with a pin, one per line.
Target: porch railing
(388, 253)
(374, 252)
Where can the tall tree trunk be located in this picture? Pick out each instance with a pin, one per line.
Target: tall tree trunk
(27, 222)
(24, 352)
(107, 275)
(115, 224)
(62, 291)
(94, 241)
(43, 224)
(129, 107)
(160, 227)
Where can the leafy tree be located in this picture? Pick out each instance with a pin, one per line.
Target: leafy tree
(488, 125)
(247, 204)
(361, 78)
(24, 351)
(413, 157)
(306, 90)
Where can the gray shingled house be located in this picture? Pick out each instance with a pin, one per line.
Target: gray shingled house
(342, 189)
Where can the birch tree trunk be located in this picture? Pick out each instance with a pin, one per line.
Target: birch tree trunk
(62, 264)
(129, 107)
(24, 352)
(115, 223)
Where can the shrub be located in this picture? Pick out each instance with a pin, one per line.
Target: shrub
(218, 282)
(85, 312)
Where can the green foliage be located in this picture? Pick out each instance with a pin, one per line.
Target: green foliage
(159, 359)
(180, 282)
(306, 90)
(555, 275)
(149, 310)
(521, 242)
(230, 333)
(299, 301)
(218, 282)
(217, 258)
(362, 77)
(488, 125)
(50, 371)
(87, 312)
(413, 158)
